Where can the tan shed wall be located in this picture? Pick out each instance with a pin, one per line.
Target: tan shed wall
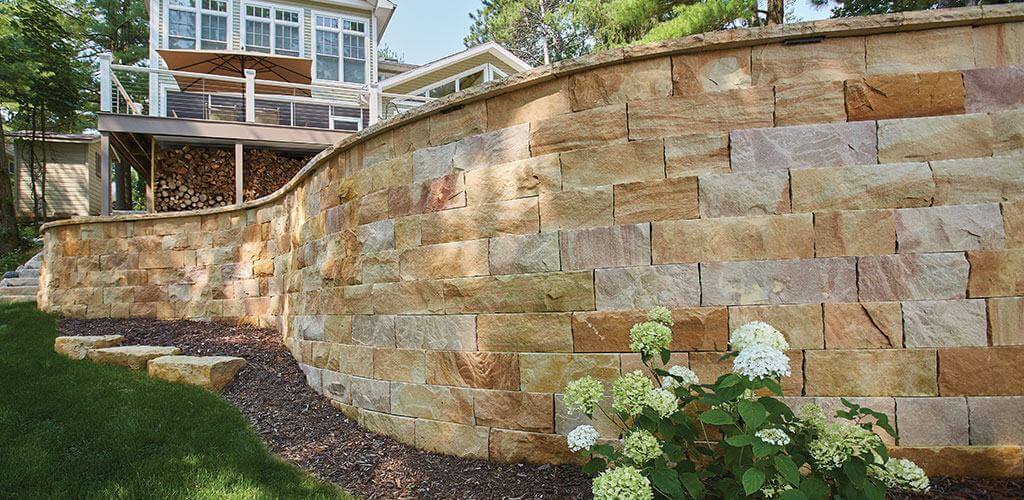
(68, 181)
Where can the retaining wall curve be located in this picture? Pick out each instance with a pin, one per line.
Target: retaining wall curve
(858, 183)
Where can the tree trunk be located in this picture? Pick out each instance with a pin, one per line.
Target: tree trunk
(776, 11)
(45, 158)
(33, 172)
(9, 240)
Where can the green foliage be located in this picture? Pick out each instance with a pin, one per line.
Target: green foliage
(74, 429)
(387, 53)
(531, 28)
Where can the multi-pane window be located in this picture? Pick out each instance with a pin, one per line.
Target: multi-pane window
(340, 49)
(454, 85)
(272, 30)
(205, 26)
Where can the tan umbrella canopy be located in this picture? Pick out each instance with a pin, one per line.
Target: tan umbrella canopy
(231, 63)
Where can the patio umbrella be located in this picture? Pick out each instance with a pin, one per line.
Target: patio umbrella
(233, 63)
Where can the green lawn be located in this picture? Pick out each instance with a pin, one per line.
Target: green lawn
(73, 429)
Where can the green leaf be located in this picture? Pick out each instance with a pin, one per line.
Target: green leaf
(594, 466)
(666, 481)
(814, 488)
(603, 449)
(716, 417)
(691, 481)
(773, 386)
(788, 469)
(873, 491)
(728, 380)
(856, 471)
(792, 495)
(665, 356)
(740, 440)
(776, 407)
(762, 449)
(753, 479)
(753, 413)
(666, 429)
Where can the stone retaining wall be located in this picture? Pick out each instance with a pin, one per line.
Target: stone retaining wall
(440, 278)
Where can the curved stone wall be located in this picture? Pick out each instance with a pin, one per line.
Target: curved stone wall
(859, 183)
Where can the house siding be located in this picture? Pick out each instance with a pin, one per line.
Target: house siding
(69, 184)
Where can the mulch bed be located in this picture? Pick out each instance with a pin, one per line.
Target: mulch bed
(302, 427)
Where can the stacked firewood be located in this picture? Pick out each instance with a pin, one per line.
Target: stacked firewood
(266, 171)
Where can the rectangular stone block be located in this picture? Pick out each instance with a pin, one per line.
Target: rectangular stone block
(971, 461)
(486, 370)
(370, 394)
(709, 366)
(694, 154)
(862, 187)
(699, 113)
(656, 200)
(518, 179)
(932, 421)
(374, 330)
(695, 329)
(439, 193)
(1007, 132)
(451, 332)
(937, 276)
(998, 45)
(454, 124)
(801, 323)
(529, 104)
(803, 146)
(605, 427)
(942, 49)
(430, 163)
(619, 83)
(543, 332)
(1006, 320)
(583, 129)
(377, 236)
(744, 193)
(550, 292)
(577, 209)
(614, 164)
(450, 404)
(614, 246)
(981, 371)
(978, 180)
(409, 297)
(995, 273)
(881, 372)
(379, 267)
(809, 103)
(351, 359)
(401, 429)
(997, 420)
(518, 446)
(934, 138)
(712, 71)
(779, 281)
(864, 325)
(1013, 224)
(643, 287)
(466, 441)
(481, 221)
(549, 372)
(734, 238)
(528, 253)
(878, 97)
(492, 148)
(949, 228)
(402, 365)
(832, 59)
(525, 411)
(445, 260)
(336, 386)
(945, 323)
(854, 232)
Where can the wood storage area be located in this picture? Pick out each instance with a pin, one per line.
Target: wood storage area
(266, 171)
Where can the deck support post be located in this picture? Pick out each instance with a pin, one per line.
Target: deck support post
(151, 185)
(238, 173)
(105, 173)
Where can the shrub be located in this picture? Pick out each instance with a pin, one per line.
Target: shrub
(731, 438)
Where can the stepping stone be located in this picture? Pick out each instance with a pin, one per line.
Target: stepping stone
(210, 372)
(132, 356)
(78, 347)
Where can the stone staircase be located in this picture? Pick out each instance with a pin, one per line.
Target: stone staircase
(22, 284)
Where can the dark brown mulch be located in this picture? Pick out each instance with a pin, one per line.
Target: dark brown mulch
(302, 427)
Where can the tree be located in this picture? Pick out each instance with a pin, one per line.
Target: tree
(387, 53)
(624, 22)
(538, 31)
(120, 27)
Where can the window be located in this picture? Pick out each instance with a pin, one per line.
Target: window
(272, 30)
(348, 64)
(455, 84)
(211, 31)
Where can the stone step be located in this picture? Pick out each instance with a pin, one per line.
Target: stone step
(21, 291)
(134, 357)
(28, 273)
(209, 372)
(19, 281)
(5, 299)
(78, 347)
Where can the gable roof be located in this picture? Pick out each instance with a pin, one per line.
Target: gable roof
(490, 48)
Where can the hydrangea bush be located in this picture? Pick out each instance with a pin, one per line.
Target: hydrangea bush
(730, 438)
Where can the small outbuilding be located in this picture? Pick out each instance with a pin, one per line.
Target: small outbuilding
(73, 185)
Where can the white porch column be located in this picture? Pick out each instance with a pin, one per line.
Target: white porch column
(375, 103)
(154, 59)
(250, 95)
(105, 173)
(106, 87)
(239, 164)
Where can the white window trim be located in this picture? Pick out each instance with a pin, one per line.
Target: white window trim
(487, 68)
(369, 55)
(198, 11)
(273, 26)
(349, 119)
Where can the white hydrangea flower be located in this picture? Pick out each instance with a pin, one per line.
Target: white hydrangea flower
(660, 314)
(582, 395)
(761, 361)
(582, 438)
(778, 437)
(679, 376)
(631, 393)
(649, 338)
(622, 483)
(663, 402)
(838, 441)
(900, 473)
(641, 446)
(757, 332)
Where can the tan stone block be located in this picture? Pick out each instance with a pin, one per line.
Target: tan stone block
(430, 163)
(881, 372)
(694, 154)
(134, 357)
(978, 180)
(481, 221)
(663, 199)
(864, 325)
(803, 146)
(167, 259)
(981, 371)
(451, 332)
(583, 129)
(401, 429)
(548, 292)
(455, 124)
(614, 164)
(1006, 320)
(695, 329)
(451, 404)
(525, 411)
(970, 461)
(936, 276)
(336, 386)
(733, 238)
(934, 138)
(709, 366)
(408, 297)
(614, 246)
(712, 71)
(1008, 132)
(800, 323)
(997, 420)
(878, 97)
(807, 103)
(544, 372)
(644, 287)
(486, 370)
(744, 193)
(374, 330)
(995, 273)
(832, 59)
(391, 172)
(862, 187)
(338, 329)
(577, 209)
(77, 347)
(208, 372)
(619, 83)
(1013, 223)
(518, 446)
(465, 441)
(932, 421)
(699, 113)
(529, 104)
(509, 181)
(605, 427)
(544, 332)
(490, 148)
(793, 281)
(860, 232)
(949, 228)
(407, 233)
(997, 45)
(445, 260)
(440, 193)
(402, 365)
(352, 359)
(942, 49)
(528, 253)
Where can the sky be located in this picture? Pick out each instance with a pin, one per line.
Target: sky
(426, 30)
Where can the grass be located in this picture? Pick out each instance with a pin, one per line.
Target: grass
(74, 429)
